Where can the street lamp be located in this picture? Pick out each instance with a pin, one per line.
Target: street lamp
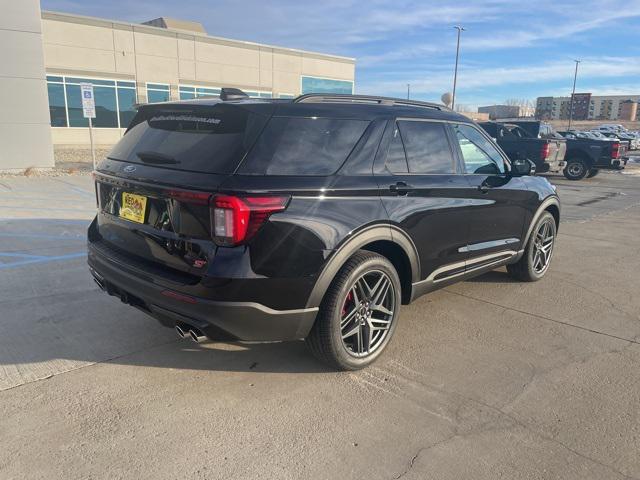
(455, 72)
(573, 93)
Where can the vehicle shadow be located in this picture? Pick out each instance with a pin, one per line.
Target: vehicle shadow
(54, 318)
(494, 276)
(256, 357)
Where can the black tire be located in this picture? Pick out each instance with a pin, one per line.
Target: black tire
(526, 269)
(593, 172)
(326, 337)
(576, 169)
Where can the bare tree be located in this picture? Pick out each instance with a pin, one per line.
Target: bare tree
(527, 106)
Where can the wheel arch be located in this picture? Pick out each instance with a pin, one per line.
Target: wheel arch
(387, 240)
(579, 155)
(551, 205)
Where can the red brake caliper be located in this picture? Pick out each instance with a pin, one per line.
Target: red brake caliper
(347, 301)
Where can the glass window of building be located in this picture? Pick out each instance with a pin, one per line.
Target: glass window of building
(326, 85)
(188, 92)
(115, 101)
(57, 103)
(254, 94)
(207, 92)
(126, 103)
(158, 92)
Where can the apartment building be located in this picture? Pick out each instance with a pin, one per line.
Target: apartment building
(589, 107)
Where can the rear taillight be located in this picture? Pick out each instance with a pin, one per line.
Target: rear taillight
(545, 151)
(234, 220)
(186, 196)
(615, 150)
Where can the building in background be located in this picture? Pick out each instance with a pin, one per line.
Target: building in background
(497, 112)
(628, 110)
(581, 105)
(545, 107)
(46, 56)
(25, 134)
(165, 59)
(588, 107)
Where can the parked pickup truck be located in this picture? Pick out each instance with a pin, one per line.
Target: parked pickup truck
(584, 157)
(547, 152)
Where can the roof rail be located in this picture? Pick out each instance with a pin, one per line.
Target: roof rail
(366, 99)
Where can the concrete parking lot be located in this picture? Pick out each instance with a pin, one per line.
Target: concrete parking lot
(485, 379)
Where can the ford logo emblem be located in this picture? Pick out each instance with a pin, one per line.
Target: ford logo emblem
(129, 169)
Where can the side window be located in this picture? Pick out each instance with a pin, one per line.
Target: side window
(396, 158)
(479, 154)
(427, 147)
(303, 146)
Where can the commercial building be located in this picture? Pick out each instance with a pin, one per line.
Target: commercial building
(162, 59)
(497, 112)
(589, 107)
(628, 110)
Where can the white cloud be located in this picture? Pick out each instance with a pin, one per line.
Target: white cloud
(528, 32)
(477, 78)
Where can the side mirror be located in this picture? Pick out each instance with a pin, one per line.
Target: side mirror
(522, 166)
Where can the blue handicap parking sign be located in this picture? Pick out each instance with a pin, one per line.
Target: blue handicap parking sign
(87, 94)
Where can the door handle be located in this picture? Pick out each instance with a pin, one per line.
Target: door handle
(400, 188)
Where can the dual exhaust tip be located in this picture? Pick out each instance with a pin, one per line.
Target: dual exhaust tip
(187, 331)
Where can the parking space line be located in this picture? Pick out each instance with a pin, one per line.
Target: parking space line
(75, 188)
(69, 256)
(79, 237)
(51, 209)
(19, 255)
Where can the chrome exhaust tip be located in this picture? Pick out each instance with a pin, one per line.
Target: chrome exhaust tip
(181, 332)
(197, 336)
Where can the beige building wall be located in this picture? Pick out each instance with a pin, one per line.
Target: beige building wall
(82, 46)
(25, 135)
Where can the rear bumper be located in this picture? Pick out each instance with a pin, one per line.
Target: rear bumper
(221, 320)
(554, 166)
(612, 164)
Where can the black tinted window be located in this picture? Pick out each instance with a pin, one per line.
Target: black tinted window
(303, 146)
(396, 159)
(427, 147)
(209, 139)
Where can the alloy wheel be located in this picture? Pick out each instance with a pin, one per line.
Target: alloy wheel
(367, 313)
(575, 169)
(543, 246)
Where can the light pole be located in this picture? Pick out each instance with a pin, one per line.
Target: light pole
(455, 72)
(573, 93)
(408, 90)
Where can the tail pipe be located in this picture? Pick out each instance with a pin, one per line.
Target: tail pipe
(187, 331)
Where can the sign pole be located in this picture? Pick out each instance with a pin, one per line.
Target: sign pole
(93, 150)
(89, 111)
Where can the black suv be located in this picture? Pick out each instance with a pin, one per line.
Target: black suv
(313, 218)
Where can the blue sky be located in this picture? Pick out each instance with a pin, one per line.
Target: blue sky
(510, 49)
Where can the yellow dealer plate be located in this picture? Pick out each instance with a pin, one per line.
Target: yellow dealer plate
(133, 207)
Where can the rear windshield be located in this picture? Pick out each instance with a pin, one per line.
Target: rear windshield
(303, 146)
(199, 138)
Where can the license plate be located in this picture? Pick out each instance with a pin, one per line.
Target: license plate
(133, 207)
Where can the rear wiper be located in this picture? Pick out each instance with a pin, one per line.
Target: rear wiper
(155, 157)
